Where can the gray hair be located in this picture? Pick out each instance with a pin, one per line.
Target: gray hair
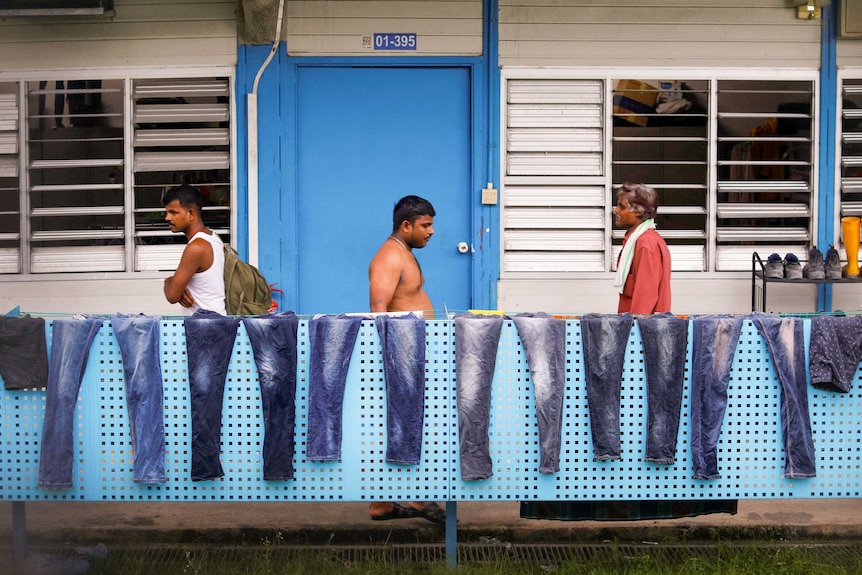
(642, 199)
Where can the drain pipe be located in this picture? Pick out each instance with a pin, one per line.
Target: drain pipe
(251, 106)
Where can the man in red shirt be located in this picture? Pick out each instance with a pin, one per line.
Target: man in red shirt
(643, 267)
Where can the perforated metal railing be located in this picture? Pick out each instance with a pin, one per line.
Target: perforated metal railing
(751, 457)
(751, 453)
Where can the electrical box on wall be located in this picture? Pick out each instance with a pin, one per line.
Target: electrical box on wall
(850, 25)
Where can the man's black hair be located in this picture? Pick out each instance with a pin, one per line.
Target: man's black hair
(408, 209)
(188, 197)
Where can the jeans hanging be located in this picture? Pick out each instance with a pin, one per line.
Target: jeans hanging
(23, 352)
(273, 341)
(331, 339)
(714, 341)
(209, 344)
(544, 341)
(786, 345)
(835, 351)
(664, 339)
(476, 339)
(402, 339)
(70, 348)
(138, 339)
(604, 339)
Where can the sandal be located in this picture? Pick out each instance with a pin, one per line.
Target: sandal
(398, 511)
(432, 512)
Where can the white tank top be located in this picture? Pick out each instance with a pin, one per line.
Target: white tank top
(207, 287)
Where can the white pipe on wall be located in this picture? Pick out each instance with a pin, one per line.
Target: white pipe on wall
(251, 104)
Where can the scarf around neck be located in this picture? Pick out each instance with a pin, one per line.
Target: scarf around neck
(624, 264)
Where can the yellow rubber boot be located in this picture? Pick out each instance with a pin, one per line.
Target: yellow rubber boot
(850, 230)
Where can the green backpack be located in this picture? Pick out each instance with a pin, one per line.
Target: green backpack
(246, 291)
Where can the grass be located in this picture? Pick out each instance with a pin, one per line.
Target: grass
(274, 558)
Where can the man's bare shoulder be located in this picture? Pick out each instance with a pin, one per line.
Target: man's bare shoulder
(389, 255)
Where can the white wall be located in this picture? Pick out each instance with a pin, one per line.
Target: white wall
(60, 293)
(750, 33)
(335, 28)
(141, 33)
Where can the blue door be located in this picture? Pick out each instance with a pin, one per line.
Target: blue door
(366, 136)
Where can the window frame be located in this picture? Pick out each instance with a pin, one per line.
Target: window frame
(607, 75)
(128, 77)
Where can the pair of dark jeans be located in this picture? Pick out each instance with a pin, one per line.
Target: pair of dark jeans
(138, 339)
(331, 339)
(786, 345)
(402, 341)
(664, 338)
(273, 341)
(209, 344)
(835, 351)
(544, 341)
(603, 340)
(23, 352)
(476, 339)
(70, 348)
(714, 341)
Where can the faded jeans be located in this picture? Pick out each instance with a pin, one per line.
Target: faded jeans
(402, 339)
(544, 340)
(714, 341)
(209, 344)
(835, 351)
(273, 340)
(138, 339)
(476, 339)
(664, 339)
(331, 339)
(70, 348)
(604, 339)
(784, 339)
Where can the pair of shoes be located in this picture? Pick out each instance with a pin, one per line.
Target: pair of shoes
(832, 266)
(430, 511)
(815, 268)
(792, 267)
(774, 267)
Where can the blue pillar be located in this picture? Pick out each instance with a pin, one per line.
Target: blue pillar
(825, 197)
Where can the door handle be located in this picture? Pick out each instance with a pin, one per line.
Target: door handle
(463, 247)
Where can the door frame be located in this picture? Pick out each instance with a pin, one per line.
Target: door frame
(484, 219)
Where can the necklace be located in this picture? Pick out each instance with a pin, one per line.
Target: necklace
(402, 243)
(408, 251)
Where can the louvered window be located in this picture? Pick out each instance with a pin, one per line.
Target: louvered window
(731, 160)
(97, 156)
(851, 147)
(10, 212)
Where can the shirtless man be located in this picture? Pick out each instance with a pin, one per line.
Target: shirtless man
(396, 284)
(198, 282)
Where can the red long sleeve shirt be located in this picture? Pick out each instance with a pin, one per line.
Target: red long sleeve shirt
(647, 287)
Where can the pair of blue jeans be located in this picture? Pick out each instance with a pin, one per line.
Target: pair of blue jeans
(603, 340)
(476, 339)
(402, 341)
(664, 338)
(714, 341)
(138, 339)
(835, 351)
(273, 341)
(544, 341)
(209, 344)
(331, 339)
(786, 345)
(70, 348)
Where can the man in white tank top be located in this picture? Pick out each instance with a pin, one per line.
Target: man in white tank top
(198, 282)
